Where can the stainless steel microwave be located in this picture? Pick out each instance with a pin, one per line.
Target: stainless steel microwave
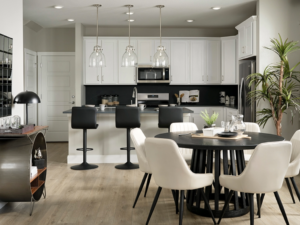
(153, 74)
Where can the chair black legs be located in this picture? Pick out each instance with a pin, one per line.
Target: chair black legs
(226, 205)
(281, 207)
(295, 187)
(181, 207)
(175, 196)
(140, 189)
(153, 204)
(290, 189)
(258, 204)
(207, 204)
(251, 209)
(148, 182)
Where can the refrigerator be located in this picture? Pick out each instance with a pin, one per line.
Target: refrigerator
(247, 108)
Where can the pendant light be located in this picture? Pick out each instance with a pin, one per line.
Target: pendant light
(129, 58)
(97, 58)
(160, 58)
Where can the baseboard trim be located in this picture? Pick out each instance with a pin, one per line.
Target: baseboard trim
(102, 158)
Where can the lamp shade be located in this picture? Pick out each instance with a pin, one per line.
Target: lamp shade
(26, 97)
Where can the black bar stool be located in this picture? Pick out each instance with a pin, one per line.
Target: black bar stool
(84, 118)
(169, 115)
(127, 117)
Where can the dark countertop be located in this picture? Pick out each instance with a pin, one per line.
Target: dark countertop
(113, 110)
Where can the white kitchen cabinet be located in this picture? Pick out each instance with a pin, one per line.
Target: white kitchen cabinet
(230, 113)
(228, 61)
(220, 111)
(127, 75)
(91, 75)
(179, 69)
(198, 62)
(145, 52)
(109, 73)
(213, 62)
(247, 38)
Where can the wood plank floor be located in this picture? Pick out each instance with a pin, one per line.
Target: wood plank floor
(105, 196)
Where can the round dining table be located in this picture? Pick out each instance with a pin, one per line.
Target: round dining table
(208, 153)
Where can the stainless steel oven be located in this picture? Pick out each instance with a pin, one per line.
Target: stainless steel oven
(153, 74)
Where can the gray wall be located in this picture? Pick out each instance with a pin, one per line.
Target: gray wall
(166, 32)
(277, 16)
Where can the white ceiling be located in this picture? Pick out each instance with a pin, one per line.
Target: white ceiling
(112, 12)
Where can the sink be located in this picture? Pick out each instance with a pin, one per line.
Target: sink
(133, 105)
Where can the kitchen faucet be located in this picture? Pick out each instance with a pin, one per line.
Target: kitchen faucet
(135, 94)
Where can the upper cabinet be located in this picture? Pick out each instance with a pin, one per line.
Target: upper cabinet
(145, 52)
(213, 61)
(91, 75)
(179, 69)
(247, 38)
(109, 73)
(198, 62)
(228, 60)
(127, 75)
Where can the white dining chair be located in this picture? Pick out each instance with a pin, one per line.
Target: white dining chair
(264, 173)
(184, 127)
(170, 171)
(250, 127)
(294, 166)
(138, 138)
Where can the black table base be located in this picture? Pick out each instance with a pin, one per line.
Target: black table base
(202, 162)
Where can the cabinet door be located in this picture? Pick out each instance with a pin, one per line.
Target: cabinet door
(230, 113)
(198, 65)
(91, 74)
(220, 111)
(241, 37)
(213, 62)
(110, 72)
(179, 62)
(228, 62)
(127, 75)
(166, 44)
(145, 52)
(248, 39)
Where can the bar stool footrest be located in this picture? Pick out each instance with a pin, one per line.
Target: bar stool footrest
(125, 148)
(81, 149)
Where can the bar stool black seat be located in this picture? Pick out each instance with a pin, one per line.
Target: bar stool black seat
(127, 117)
(169, 115)
(84, 118)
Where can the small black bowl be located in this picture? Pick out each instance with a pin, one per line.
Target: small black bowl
(228, 134)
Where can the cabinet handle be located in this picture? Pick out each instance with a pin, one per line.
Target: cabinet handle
(102, 78)
(98, 78)
(202, 77)
(133, 77)
(222, 77)
(207, 77)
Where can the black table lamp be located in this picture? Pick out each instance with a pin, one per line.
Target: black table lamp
(26, 97)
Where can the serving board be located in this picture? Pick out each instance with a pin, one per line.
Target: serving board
(200, 135)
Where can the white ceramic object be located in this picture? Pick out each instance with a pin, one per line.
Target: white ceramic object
(142, 106)
(102, 107)
(172, 105)
(210, 132)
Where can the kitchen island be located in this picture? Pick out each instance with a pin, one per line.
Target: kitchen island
(107, 140)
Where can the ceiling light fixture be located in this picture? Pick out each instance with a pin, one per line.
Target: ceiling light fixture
(58, 7)
(216, 8)
(190, 21)
(97, 58)
(160, 58)
(129, 58)
(71, 20)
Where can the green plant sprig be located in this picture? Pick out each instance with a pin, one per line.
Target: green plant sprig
(210, 120)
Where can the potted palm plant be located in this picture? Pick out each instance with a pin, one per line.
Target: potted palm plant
(210, 120)
(278, 85)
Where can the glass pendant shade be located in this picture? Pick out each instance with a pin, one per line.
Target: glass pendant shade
(129, 57)
(160, 58)
(97, 58)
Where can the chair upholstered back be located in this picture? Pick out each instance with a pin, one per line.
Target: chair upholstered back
(84, 118)
(294, 165)
(127, 117)
(251, 127)
(138, 138)
(169, 115)
(168, 167)
(265, 171)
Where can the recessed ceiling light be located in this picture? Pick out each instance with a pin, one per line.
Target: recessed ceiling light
(216, 8)
(71, 20)
(128, 13)
(190, 21)
(131, 20)
(58, 6)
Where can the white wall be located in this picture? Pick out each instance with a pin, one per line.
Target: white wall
(277, 16)
(11, 25)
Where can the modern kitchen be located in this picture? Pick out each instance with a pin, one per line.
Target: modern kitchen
(159, 112)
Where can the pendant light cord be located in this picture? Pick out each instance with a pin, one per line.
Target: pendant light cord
(129, 24)
(160, 24)
(97, 25)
